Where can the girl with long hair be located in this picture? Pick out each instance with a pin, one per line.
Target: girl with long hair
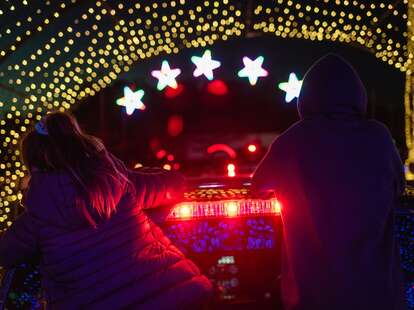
(85, 220)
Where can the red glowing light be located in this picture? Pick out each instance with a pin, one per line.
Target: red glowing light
(231, 170)
(170, 157)
(231, 207)
(222, 148)
(185, 210)
(161, 154)
(225, 208)
(252, 148)
(173, 92)
(175, 125)
(217, 87)
(276, 206)
(176, 166)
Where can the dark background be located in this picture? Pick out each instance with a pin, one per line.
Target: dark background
(245, 109)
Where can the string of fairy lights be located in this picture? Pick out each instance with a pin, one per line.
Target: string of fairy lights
(54, 54)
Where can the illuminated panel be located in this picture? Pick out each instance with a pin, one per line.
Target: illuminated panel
(225, 208)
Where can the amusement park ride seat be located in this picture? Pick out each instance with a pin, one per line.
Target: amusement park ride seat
(235, 240)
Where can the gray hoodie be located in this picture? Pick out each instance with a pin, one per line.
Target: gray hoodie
(338, 177)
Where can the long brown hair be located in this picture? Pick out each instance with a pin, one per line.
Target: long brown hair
(60, 145)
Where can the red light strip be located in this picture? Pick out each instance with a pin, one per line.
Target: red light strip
(224, 208)
(222, 148)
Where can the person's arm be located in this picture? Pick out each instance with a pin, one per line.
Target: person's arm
(155, 187)
(19, 243)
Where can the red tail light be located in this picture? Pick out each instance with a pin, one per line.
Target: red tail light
(225, 208)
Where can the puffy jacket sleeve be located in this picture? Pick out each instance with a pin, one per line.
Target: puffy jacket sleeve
(264, 179)
(157, 187)
(19, 242)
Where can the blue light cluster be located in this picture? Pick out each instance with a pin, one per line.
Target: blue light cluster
(25, 290)
(225, 235)
(410, 294)
(405, 235)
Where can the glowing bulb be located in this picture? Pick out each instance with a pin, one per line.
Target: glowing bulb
(205, 65)
(167, 167)
(231, 170)
(292, 87)
(231, 208)
(253, 69)
(166, 76)
(131, 100)
(276, 206)
(161, 153)
(252, 148)
(184, 210)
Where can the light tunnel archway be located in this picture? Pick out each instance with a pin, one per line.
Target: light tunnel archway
(56, 55)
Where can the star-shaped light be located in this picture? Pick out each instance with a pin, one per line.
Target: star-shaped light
(205, 65)
(131, 100)
(253, 69)
(292, 87)
(166, 76)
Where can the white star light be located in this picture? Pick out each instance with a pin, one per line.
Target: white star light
(166, 76)
(253, 69)
(131, 100)
(205, 65)
(292, 87)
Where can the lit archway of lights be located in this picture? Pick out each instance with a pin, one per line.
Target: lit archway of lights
(56, 53)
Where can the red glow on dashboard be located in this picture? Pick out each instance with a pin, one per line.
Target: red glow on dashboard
(225, 208)
(217, 87)
(222, 148)
(174, 92)
(252, 148)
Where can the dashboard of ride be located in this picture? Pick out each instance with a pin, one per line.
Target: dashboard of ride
(235, 239)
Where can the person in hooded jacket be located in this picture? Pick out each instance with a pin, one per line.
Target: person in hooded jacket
(85, 220)
(338, 177)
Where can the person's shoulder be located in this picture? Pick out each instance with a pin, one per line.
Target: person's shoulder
(379, 129)
(49, 183)
(290, 133)
(377, 125)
